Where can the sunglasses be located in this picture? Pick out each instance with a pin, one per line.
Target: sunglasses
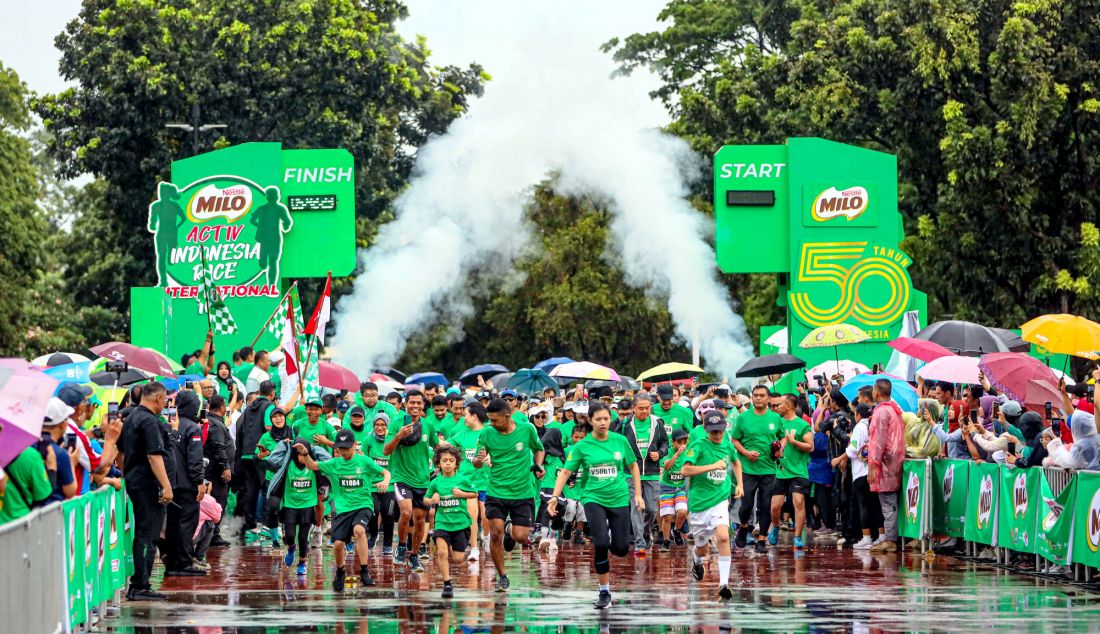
(510, 399)
(539, 416)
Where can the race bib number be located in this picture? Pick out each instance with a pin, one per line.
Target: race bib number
(643, 446)
(382, 462)
(471, 454)
(449, 502)
(351, 483)
(301, 483)
(718, 475)
(676, 477)
(603, 472)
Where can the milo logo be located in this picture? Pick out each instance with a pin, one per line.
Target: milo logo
(948, 483)
(114, 523)
(72, 544)
(985, 501)
(212, 201)
(912, 497)
(833, 203)
(87, 535)
(1019, 495)
(1092, 523)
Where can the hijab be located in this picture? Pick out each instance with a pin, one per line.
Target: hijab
(986, 403)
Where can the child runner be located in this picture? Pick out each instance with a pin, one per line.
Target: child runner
(351, 475)
(674, 502)
(296, 514)
(574, 509)
(278, 432)
(602, 459)
(452, 517)
(372, 443)
(465, 439)
(707, 468)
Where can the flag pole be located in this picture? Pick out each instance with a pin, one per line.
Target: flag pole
(207, 282)
(266, 323)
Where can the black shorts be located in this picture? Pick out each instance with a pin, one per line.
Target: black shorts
(785, 486)
(521, 512)
(343, 525)
(403, 491)
(456, 540)
(297, 517)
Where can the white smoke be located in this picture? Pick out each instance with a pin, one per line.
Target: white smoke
(552, 109)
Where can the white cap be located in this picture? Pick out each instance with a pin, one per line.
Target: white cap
(57, 412)
(580, 407)
(277, 357)
(542, 408)
(568, 407)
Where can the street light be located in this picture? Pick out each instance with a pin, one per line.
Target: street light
(195, 127)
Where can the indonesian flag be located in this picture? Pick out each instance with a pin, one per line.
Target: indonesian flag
(289, 344)
(319, 320)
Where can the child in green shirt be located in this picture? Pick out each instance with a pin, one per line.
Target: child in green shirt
(448, 492)
(673, 501)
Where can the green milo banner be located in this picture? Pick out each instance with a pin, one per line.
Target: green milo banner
(98, 558)
(914, 494)
(950, 481)
(73, 512)
(1018, 510)
(981, 503)
(1055, 522)
(1086, 520)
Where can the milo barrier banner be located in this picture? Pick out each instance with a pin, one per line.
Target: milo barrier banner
(981, 503)
(914, 498)
(1055, 522)
(950, 480)
(1086, 520)
(1018, 509)
(98, 557)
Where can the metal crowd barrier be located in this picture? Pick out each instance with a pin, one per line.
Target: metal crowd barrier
(32, 553)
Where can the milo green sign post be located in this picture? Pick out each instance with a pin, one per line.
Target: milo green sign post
(241, 222)
(824, 217)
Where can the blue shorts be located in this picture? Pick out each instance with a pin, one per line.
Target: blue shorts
(482, 495)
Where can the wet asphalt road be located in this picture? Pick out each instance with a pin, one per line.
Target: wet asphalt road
(248, 590)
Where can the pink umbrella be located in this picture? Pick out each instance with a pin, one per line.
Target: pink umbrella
(952, 369)
(1039, 393)
(24, 393)
(1011, 372)
(140, 358)
(336, 377)
(920, 349)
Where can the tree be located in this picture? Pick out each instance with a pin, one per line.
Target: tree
(991, 108)
(308, 73)
(23, 229)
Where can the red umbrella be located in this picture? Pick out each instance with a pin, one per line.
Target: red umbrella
(336, 377)
(135, 357)
(920, 349)
(1010, 373)
(1041, 392)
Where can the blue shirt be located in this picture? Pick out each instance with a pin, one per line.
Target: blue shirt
(821, 472)
(65, 475)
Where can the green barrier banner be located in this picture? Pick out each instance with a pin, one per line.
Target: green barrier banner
(1018, 510)
(981, 503)
(116, 517)
(1055, 522)
(950, 479)
(102, 569)
(1086, 520)
(73, 513)
(911, 521)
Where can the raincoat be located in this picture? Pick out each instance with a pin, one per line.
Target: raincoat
(886, 447)
(1084, 453)
(920, 439)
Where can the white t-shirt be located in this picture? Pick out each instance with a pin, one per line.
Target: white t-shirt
(860, 435)
(255, 378)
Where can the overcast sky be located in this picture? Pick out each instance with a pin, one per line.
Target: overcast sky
(458, 31)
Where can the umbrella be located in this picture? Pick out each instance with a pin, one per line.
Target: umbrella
(1014, 341)
(385, 387)
(903, 393)
(485, 371)
(376, 377)
(76, 372)
(1041, 392)
(670, 372)
(336, 377)
(847, 368)
(140, 358)
(833, 337)
(172, 385)
(172, 363)
(395, 374)
(778, 363)
(549, 364)
(953, 369)
(1064, 334)
(1010, 372)
(59, 358)
(584, 370)
(24, 393)
(628, 383)
(778, 339)
(963, 337)
(531, 381)
(424, 378)
(131, 376)
(921, 349)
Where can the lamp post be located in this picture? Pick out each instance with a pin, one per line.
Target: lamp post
(195, 127)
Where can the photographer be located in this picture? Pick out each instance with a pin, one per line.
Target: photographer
(832, 427)
(218, 450)
(183, 513)
(53, 431)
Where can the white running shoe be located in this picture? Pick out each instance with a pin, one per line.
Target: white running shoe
(474, 554)
(864, 544)
(544, 545)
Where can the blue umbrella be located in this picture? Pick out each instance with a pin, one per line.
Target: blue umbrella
(531, 381)
(425, 378)
(902, 393)
(76, 372)
(551, 363)
(485, 371)
(173, 385)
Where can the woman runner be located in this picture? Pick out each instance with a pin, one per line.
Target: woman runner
(448, 492)
(602, 458)
(296, 514)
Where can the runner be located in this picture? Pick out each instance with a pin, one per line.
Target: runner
(316, 429)
(279, 432)
(351, 475)
(671, 413)
(513, 452)
(372, 444)
(465, 440)
(602, 459)
(707, 465)
(574, 517)
(673, 501)
(296, 514)
(793, 475)
(551, 440)
(408, 442)
(756, 431)
(648, 440)
(452, 518)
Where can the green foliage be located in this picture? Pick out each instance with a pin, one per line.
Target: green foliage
(573, 300)
(308, 73)
(991, 108)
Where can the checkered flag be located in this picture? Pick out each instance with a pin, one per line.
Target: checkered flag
(277, 325)
(210, 300)
(311, 387)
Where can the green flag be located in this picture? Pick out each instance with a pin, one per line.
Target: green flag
(981, 503)
(1018, 510)
(1055, 521)
(210, 299)
(1086, 520)
(914, 485)
(950, 479)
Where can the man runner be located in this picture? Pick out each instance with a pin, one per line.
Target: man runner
(756, 430)
(408, 444)
(793, 475)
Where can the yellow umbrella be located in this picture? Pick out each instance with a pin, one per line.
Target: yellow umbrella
(834, 335)
(669, 372)
(1064, 334)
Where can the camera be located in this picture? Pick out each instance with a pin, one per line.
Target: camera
(118, 367)
(820, 389)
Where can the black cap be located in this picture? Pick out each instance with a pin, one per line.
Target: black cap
(343, 406)
(679, 434)
(720, 403)
(357, 411)
(664, 391)
(626, 404)
(344, 439)
(714, 421)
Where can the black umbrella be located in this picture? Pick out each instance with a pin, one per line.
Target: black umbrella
(1014, 341)
(126, 378)
(964, 337)
(396, 375)
(485, 371)
(628, 383)
(770, 364)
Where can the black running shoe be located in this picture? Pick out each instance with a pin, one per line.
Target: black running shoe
(667, 546)
(679, 538)
(761, 547)
(503, 583)
(424, 556)
(742, 535)
(338, 580)
(365, 578)
(603, 601)
(697, 571)
(448, 590)
(146, 594)
(725, 593)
